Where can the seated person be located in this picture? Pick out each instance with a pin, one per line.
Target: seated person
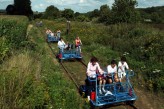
(51, 34)
(58, 33)
(68, 46)
(92, 69)
(61, 44)
(122, 66)
(112, 68)
(48, 31)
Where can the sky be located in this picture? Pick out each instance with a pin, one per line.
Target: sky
(81, 6)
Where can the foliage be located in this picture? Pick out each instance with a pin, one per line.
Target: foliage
(155, 14)
(68, 14)
(124, 11)
(93, 14)
(104, 13)
(82, 18)
(12, 34)
(10, 9)
(51, 12)
(23, 8)
(20, 80)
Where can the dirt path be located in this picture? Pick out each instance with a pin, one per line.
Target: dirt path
(146, 100)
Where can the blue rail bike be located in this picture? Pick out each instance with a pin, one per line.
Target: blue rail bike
(116, 92)
(52, 38)
(70, 53)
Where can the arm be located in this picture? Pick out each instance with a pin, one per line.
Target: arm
(120, 67)
(126, 66)
(88, 68)
(80, 42)
(99, 69)
(75, 42)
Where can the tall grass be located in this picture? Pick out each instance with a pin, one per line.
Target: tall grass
(20, 75)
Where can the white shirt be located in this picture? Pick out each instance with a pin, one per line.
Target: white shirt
(52, 34)
(61, 44)
(122, 66)
(111, 70)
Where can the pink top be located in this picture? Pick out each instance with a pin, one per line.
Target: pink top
(91, 69)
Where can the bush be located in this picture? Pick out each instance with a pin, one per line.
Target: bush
(12, 33)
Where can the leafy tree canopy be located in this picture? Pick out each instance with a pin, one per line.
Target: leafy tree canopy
(52, 12)
(68, 13)
(23, 7)
(124, 11)
(104, 13)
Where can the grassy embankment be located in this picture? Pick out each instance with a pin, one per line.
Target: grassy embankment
(30, 77)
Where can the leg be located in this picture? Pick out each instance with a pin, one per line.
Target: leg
(80, 49)
(120, 76)
(100, 84)
(116, 78)
(103, 87)
(110, 80)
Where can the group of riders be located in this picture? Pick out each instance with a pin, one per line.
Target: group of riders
(61, 44)
(67, 46)
(53, 34)
(114, 73)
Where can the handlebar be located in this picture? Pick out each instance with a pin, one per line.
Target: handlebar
(129, 73)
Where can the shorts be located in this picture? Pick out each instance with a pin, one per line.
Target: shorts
(101, 76)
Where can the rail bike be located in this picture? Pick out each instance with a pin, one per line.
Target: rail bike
(116, 92)
(52, 38)
(69, 53)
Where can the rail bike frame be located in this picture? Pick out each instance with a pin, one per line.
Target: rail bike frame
(69, 54)
(52, 38)
(120, 92)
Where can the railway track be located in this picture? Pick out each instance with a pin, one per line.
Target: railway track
(77, 80)
(74, 76)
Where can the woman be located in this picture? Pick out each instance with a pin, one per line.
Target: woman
(78, 44)
(94, 69)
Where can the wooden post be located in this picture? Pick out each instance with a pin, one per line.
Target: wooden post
(68, 27)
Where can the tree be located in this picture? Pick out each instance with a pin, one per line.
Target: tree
(77, 14)
(68, 14)
(156, 18)
(23, 7)
(52, 12)
(104, 13)
(10, 9)
(124, 11)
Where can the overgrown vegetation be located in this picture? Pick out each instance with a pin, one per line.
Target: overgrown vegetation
(12, 34)
(29, 78)
(141, 44)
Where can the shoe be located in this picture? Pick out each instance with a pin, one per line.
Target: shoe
(100, 92)
(108, 93)
(88, 98)
(104, 91)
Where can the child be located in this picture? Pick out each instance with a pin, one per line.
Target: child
(112, 72)
(122, 66)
